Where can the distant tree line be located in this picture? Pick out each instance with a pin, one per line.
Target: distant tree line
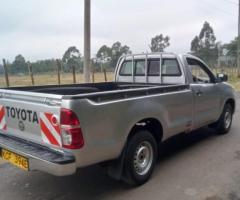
(204, 45)
(106, 58)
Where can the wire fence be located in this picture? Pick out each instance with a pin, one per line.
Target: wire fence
(232, 72)
(54, 77)
(58, 76)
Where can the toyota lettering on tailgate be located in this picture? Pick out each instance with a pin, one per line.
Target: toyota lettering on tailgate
(22, 114)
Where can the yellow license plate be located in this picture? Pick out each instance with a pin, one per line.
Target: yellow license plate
(15, 159)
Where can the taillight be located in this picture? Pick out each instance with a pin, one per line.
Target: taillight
(71, 132)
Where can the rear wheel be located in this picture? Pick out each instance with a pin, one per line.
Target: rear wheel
(140, 158)
(223, 125)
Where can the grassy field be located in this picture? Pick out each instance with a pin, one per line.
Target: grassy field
(233, 79)
(235, 82)
(51, 78)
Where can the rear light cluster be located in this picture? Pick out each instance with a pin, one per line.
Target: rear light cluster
(72, 137)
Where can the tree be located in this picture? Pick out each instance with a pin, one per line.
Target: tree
(103, 58)
(159, 43)
(207, 37)
(117, 51)
(230, 53)
(205, 45)
(71, 57)
(110, 55)
(195, 45)
(232, 47)
(19, 65)
(104, 52)
(43, 66)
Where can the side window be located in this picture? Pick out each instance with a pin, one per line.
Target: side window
(170, 67)
(199, 72)
(140, 68)
(153, 68)
(126, 69)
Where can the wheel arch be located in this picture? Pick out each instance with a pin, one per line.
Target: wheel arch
(153, 125)
(232, 102)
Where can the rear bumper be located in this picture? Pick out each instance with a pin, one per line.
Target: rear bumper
(40, 158)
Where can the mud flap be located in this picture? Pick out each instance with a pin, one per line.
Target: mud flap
(115, 168)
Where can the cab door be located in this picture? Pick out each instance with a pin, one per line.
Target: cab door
(206, 93)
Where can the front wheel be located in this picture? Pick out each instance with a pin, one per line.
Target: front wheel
(140, 158)
(223, 125)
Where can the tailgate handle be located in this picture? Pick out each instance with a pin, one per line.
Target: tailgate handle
(52, 102)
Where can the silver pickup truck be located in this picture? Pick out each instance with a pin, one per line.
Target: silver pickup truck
(58, 129)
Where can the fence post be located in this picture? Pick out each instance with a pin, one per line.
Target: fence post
(30, 73)
(74, 74)
(93, 77)
(6, 72)
(58, 71)
(105, 75)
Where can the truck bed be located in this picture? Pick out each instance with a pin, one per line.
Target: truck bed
(97, 92)
(84, 88)
(74, 89)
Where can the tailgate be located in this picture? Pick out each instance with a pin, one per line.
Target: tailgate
(31, 116)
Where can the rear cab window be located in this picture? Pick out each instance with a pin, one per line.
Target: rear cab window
(170, 67)
(126, 69)
(139, 68)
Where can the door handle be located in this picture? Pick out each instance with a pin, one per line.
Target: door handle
(199, 93)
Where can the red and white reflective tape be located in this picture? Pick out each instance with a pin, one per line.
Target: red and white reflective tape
(3, 124)
(50, 129)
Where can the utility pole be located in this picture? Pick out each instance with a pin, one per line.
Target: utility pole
(87, 40)
(238, 50)
(219, 55)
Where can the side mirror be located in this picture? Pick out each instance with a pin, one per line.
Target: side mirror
(222, 77)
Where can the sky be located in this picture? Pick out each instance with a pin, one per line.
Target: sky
(45, 29)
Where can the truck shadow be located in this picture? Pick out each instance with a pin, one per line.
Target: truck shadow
(181, 142)
(91, 182)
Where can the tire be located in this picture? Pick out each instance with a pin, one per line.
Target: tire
(223, 125)
(140, 158)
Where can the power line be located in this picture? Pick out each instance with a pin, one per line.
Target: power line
(232, 2)
(238, 53)
(210, 11)
(218, 9)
